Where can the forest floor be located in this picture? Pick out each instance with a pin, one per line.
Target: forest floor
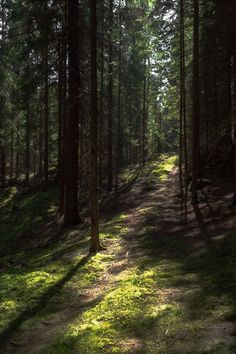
(164, 285)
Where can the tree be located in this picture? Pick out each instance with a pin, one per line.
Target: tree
(110, 104)
(94, 243)
(195, 146)
(72, 134)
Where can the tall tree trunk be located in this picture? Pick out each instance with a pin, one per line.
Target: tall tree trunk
(195, 138)
(40, 133)
(17, 151)
(233, 104)
(94, 241)
(27, 146)
(181, 110)
(183, 121)
(12, 146)
(144, 116)
(60, 128)
(46, 115)
(101, 111)
(110, 104)
(118, 145)
(71, 216)
(2, 147)
(62, 106)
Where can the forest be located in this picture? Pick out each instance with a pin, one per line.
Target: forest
(117, 176)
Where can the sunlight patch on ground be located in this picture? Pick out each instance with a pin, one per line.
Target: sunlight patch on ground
(7, 196)
(164, 167)
(162, 301)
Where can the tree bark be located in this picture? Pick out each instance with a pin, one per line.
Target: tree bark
(27, 147)
(181, 109)
(195, 137)
(71, 216)
(94, 240)
(144, 116)
(118, 145)
(110, 105)
(101, 111)
(46, 115)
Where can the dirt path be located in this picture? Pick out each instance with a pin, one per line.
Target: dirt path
(194, 286)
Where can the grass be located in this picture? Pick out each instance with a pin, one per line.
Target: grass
(159, 295)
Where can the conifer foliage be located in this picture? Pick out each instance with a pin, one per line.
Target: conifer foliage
(88, 92)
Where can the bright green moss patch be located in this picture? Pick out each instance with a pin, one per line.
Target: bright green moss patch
(147, 293)
(135, 307)
(21, 288)
(164, 167)
(51, 276)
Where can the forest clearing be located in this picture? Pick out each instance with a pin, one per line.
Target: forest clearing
(117, 176)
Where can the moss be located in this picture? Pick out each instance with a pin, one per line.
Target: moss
(162, 168)
(21, 214)
(7, 197)
(165, 300)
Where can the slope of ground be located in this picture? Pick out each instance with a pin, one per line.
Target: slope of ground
(162, 286)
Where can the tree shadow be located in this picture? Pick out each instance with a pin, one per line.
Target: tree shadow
(30, 312)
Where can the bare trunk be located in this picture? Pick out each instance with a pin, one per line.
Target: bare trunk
(94, 241)
(110, 105)
(71, 216)
(118, 147)
(46, 115)
(195, 146)
(144, 117)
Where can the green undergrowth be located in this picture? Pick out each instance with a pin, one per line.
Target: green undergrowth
(163, 167)
(22, 213)
(34, 276)
(160, 295)
(124, 318)
(158, 304)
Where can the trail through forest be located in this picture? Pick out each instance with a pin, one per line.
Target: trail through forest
(164, 285)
